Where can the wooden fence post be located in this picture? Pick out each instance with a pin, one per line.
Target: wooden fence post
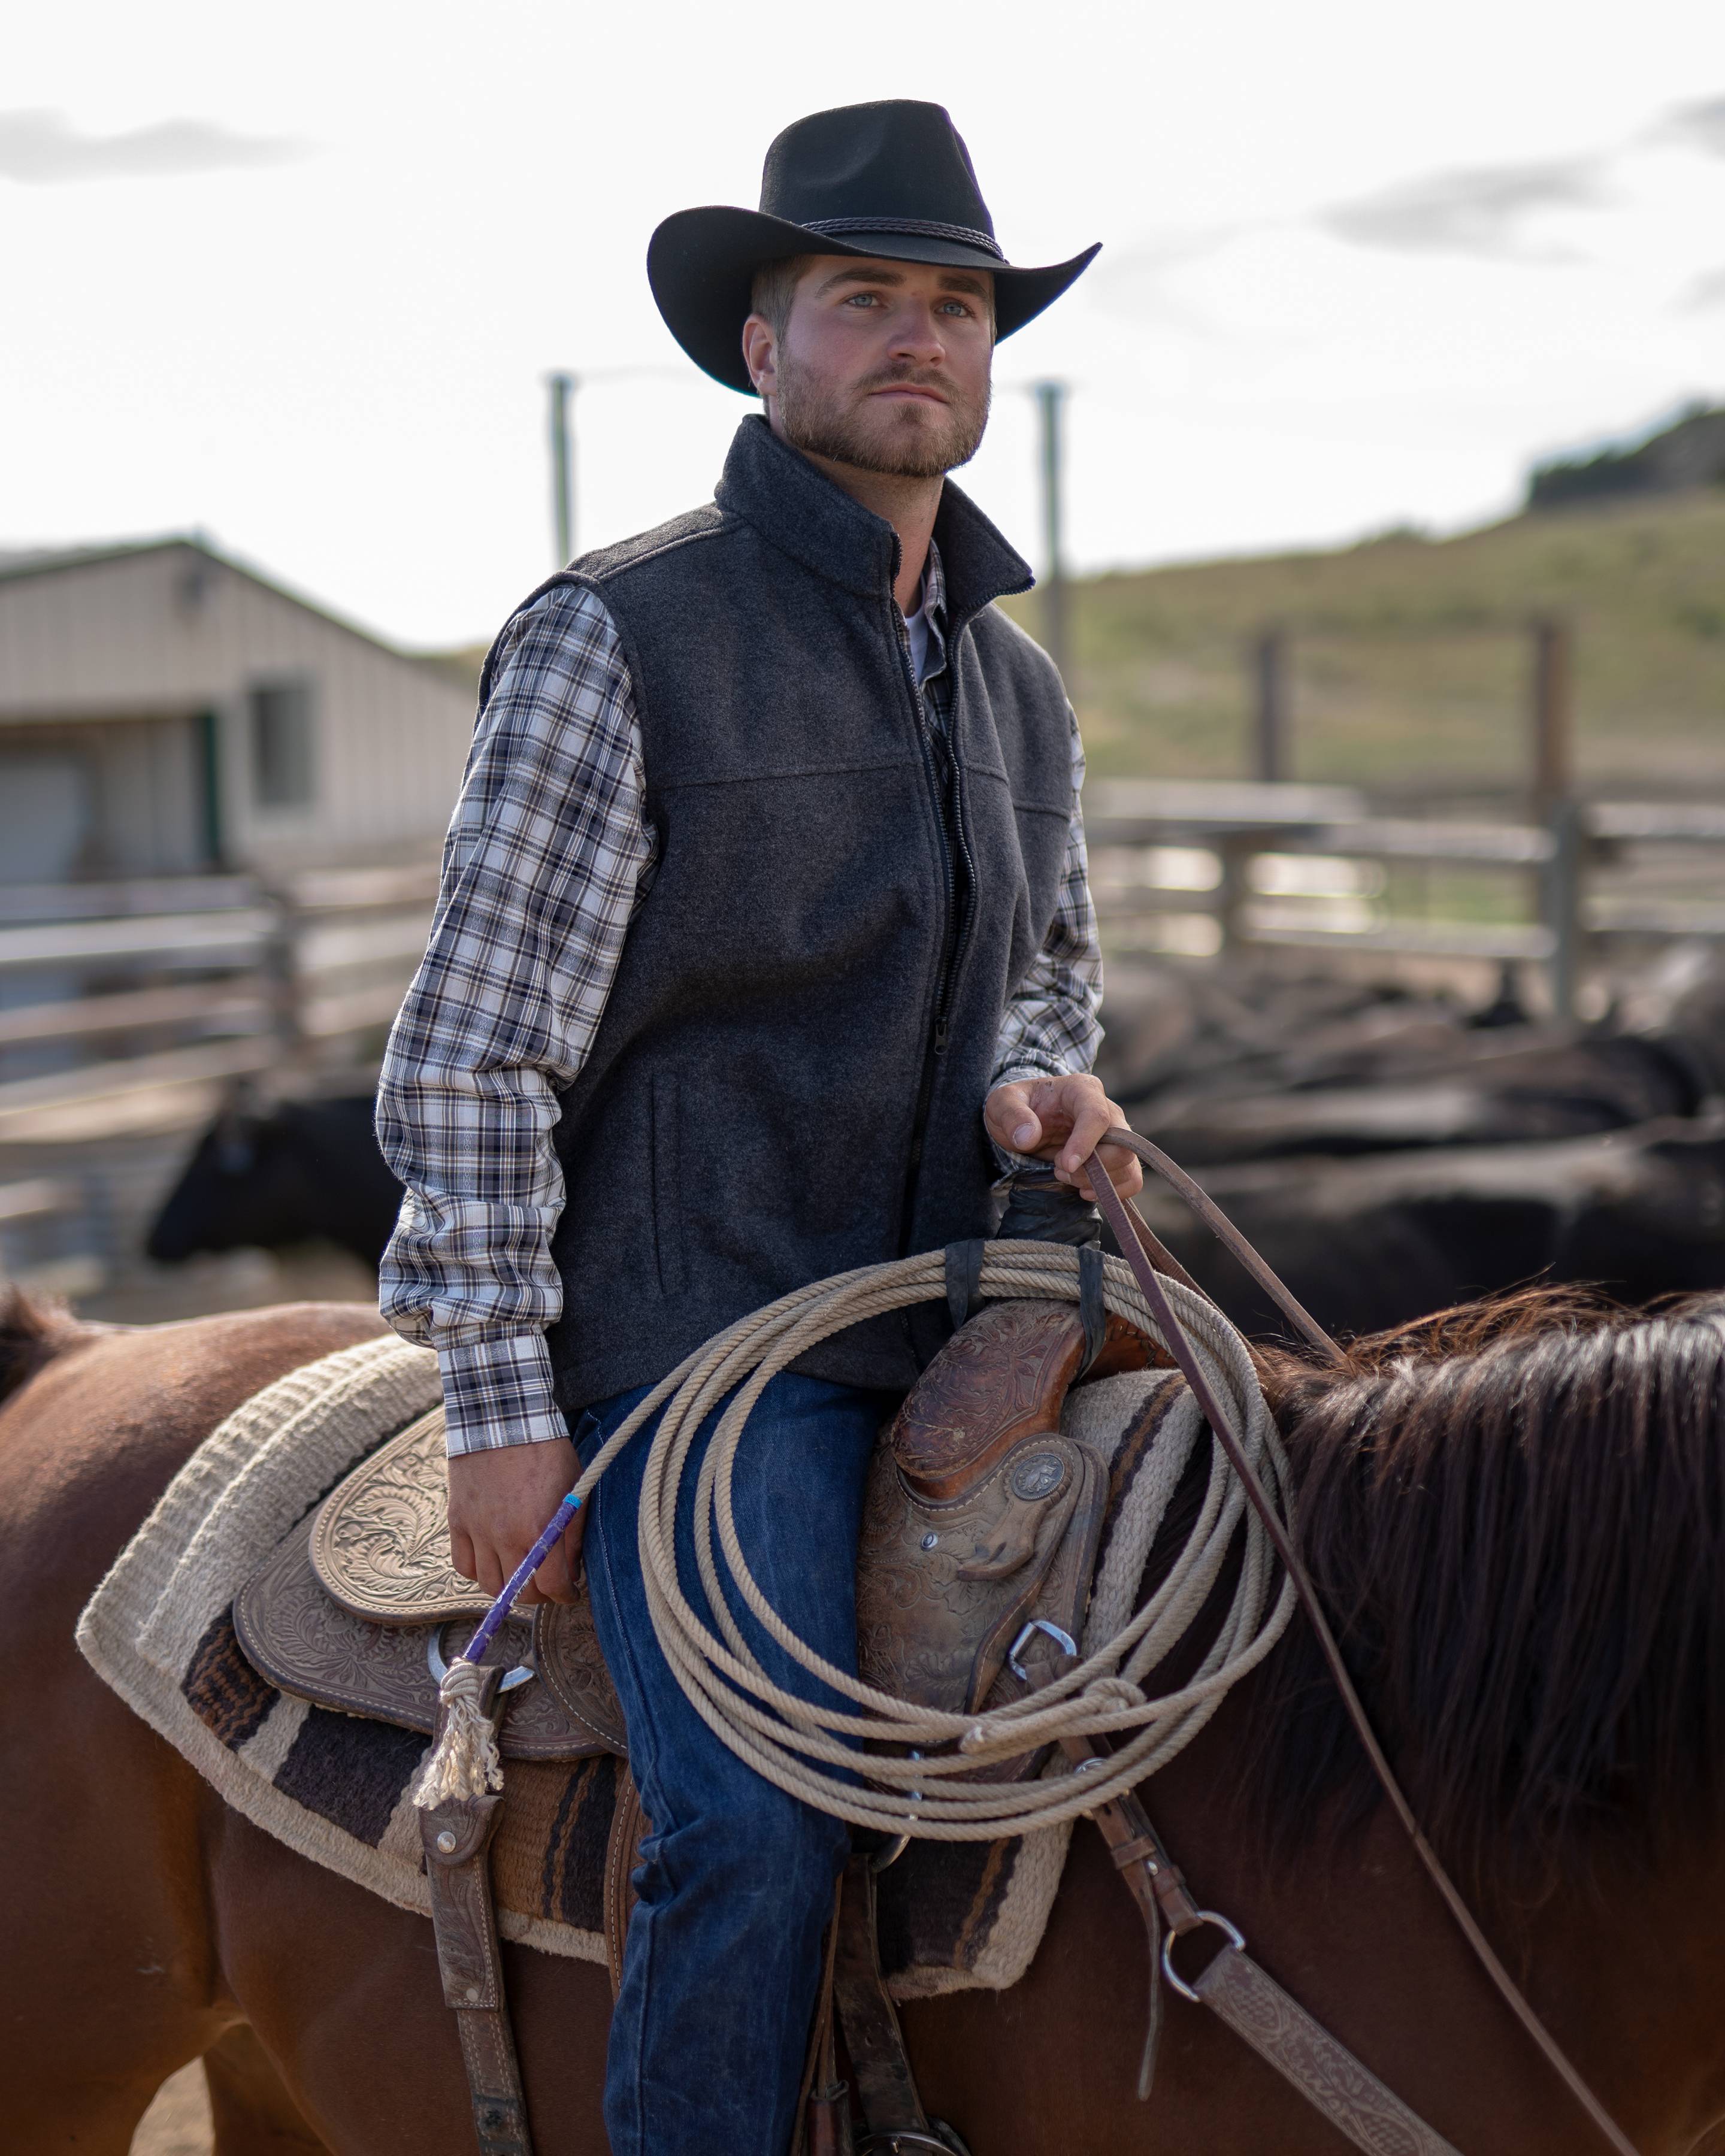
(1561, 907)
(1234, 893)
(283, 987)
(1552, 782)
(1272, 707)
(1552, 777)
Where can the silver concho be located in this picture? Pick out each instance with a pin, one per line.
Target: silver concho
(1037, 1475)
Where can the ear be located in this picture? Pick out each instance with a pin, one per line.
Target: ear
(760, 354)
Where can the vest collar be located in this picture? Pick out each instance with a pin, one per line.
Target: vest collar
(798, 510)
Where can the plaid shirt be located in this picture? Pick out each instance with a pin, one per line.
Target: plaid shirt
(549, 855)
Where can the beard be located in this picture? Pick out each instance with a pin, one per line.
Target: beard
(904, 441)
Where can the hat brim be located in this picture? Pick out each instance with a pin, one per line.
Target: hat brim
(701, 264)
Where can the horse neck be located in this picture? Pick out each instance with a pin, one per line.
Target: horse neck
(1623, 1956)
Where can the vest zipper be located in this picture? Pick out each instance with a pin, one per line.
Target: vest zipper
(954, 934)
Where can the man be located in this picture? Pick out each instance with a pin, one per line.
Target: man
(764, 910)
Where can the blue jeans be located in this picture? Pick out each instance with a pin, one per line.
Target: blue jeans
(736, 1885)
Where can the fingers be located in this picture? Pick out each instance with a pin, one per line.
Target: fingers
(1125, 1172)
(1092, 1119)
(1093, 1115)
(500, 1499)
(552, 1580)
(1011, 1120)
(1064, 1119)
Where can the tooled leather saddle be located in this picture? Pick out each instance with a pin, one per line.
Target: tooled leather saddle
(982, 1519)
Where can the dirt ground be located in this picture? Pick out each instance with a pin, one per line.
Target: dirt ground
(177, 2122)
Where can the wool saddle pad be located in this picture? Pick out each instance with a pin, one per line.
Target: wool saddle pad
(334, 1788)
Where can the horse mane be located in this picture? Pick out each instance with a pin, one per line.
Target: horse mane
(1514, 1514)
(33, 1331)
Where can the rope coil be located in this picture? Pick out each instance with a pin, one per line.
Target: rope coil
(812, 1751)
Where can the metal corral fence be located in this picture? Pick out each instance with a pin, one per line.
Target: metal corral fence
(1200, 869)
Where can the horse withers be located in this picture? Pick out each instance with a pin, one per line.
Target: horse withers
(1516, 1515)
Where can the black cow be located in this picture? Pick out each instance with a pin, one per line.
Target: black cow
(1377, 1240)
(1238, 1067)
(1528, 1095)
(265, 1178)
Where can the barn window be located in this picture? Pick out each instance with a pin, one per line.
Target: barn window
(281, 725)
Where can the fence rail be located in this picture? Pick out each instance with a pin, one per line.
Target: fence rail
(1225, 858)
(132, 1006)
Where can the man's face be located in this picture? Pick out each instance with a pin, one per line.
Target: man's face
(882, 364)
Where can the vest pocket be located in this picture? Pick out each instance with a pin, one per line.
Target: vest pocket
(665, 1171)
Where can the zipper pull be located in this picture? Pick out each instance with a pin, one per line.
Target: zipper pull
(943, 1033)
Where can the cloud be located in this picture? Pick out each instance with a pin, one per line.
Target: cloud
(1134, 281)
(1477, 211)
(1707, 290)
(1701, 125)
(40, 147)
(1164, 249)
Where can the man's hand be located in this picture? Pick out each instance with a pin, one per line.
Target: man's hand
(499, 1503)
(1062, 1120)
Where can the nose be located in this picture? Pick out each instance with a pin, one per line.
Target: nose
(916, 333)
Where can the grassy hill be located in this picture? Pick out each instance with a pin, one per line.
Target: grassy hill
(1411, 656)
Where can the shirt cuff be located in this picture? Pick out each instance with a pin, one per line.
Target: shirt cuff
(1025, 1067)
(498, 1391)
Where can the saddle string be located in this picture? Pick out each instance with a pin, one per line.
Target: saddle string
(1118, 1216)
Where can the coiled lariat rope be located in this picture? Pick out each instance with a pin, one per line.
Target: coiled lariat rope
(884, 1763)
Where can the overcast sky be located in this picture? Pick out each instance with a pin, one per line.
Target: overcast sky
(294, 276)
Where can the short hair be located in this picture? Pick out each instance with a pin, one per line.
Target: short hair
(775, 287)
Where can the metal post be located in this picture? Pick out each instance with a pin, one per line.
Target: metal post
(1272, 742)
(562, 464)
(1051, 401)
(1234, 894)
(1553, 714)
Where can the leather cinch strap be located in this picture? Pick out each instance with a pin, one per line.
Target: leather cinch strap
(1130, 1235)
(1280, 2030)
(1247, 1998)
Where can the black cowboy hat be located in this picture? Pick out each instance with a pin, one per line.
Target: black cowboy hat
(891, 179)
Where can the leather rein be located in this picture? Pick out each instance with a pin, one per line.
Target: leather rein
(1146, 1257)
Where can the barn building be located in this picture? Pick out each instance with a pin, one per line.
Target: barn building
(165, 710)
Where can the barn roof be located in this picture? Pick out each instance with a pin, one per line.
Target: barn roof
(19, 563)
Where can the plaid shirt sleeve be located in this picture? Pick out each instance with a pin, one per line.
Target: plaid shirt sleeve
(547, 853)
(1050, 1026)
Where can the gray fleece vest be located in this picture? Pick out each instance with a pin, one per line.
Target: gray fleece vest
(788, 1079)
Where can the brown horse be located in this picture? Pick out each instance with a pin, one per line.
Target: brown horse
(1516, 1517)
